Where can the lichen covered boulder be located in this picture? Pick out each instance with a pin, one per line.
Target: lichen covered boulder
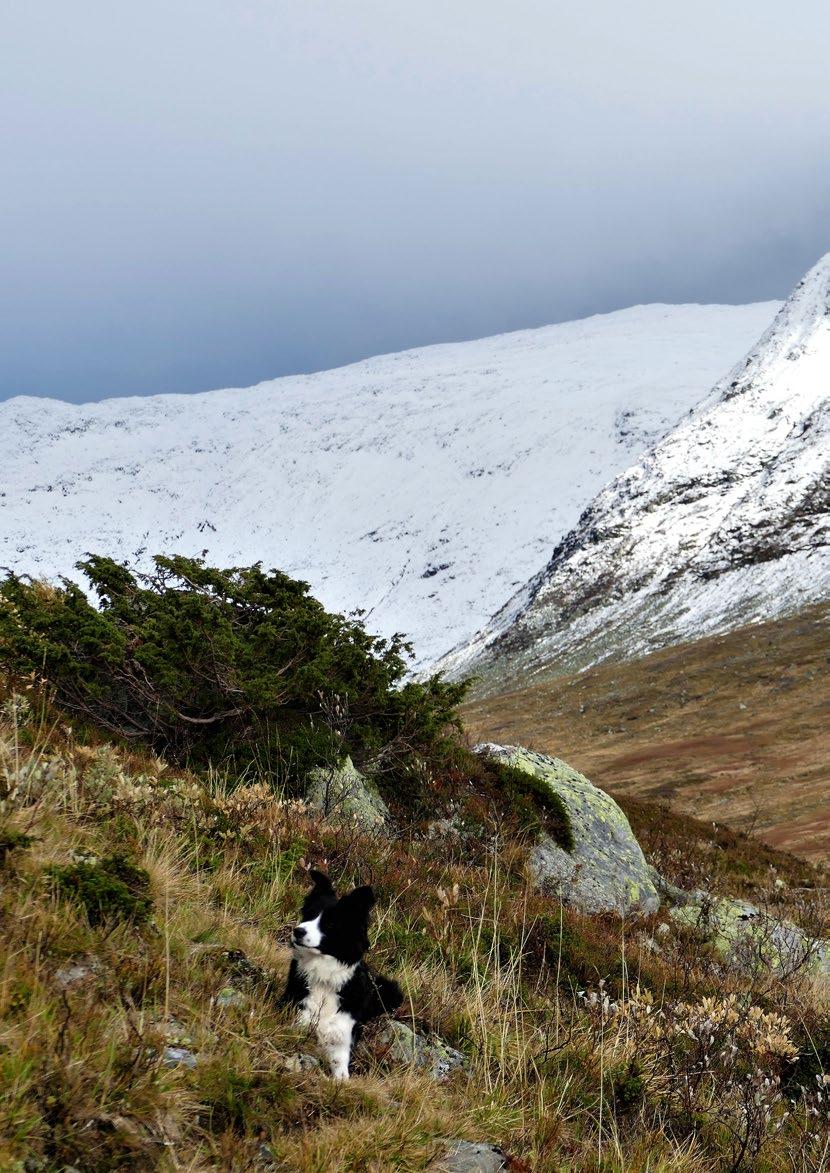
(431, 1055)
(605, 871)
(750, 939)
(344, 796)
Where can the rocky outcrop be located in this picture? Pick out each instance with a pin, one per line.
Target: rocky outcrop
(344, 796)
(606, 870)
(751, 939)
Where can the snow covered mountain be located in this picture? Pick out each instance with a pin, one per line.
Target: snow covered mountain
(423, 487)
(723, 522)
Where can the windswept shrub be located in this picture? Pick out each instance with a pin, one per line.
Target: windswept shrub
(239, 666)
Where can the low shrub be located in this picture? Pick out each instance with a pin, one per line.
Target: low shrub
(108, 889)
(11, 840)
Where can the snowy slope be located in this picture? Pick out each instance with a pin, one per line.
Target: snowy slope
(423, 486)
(725, 521)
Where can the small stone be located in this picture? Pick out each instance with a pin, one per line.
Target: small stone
(432, 1055)
(228, 997)
(243, 973)
(178, 1057)
(301, 1062)
(173, 1031)
(444, 829)
(265, 1156)
(462, 1156)
(77, 971)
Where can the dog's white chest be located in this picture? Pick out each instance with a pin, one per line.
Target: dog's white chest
(321, 1010)
(319, 1007)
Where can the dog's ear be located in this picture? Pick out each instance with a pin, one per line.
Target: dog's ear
(322, 895)
(321, 883)
(359, 902)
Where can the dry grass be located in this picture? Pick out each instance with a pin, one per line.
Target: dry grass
(488, 964)
(734, 728)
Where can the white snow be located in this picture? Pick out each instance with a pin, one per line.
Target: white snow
(423, 487)
(723, 522)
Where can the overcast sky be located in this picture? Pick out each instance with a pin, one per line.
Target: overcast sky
(207, 193)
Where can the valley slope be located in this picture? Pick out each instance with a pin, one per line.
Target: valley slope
(733, 728)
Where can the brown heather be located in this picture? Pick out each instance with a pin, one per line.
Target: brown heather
(734, 728)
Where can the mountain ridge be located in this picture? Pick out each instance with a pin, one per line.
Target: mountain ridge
(722, 521)
(407, 485)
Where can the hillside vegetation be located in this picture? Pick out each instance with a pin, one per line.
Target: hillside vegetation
(144, 907)
(734, 727)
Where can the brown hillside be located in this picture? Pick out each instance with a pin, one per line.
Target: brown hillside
(734, 727)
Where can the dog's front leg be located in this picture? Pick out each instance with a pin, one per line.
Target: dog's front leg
(336, 1041)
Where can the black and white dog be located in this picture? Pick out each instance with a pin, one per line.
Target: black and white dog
(329, 981)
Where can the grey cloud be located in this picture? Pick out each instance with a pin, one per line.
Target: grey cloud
(207, 193)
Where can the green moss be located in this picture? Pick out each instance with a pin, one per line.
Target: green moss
(537, 807)
(10, 841)
(111, 889)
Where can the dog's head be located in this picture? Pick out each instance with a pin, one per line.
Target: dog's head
(335, 927)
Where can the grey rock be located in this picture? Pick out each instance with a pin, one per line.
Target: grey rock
(344, 796)
(173, 1031)
(606, 871)
(462, 1156)
(669, 892)
(432, 1055)
(229, 997)
(265, 1157)
(444, 829)
(301, 1062)
(244, 974)
(71, 974)
(78, 971)
(178, 1057)
(750, 939)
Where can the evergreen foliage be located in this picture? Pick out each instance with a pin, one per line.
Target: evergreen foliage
(107, 889)
(238, 667)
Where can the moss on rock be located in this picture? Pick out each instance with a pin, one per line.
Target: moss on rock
(604, 869)
(751, 939)
(343, 795)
